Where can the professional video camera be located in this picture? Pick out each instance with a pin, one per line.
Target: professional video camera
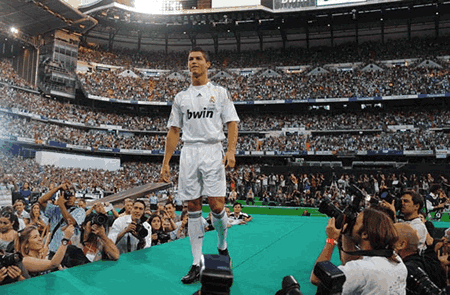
(349, 214)
(331, 278)
(216, 275)
(99, 219)
(10, 259)
(419, 283)
(289, 286)
(141, 231)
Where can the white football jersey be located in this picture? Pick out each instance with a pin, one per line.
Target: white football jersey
(201, 111)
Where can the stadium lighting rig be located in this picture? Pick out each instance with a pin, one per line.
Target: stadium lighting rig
(14, 30)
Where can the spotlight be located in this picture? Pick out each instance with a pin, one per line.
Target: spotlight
(14, 30)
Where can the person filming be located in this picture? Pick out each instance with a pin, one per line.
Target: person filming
(374, 270)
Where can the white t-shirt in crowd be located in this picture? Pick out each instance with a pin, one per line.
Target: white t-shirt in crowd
(421, 230)
(201, 112)
(374, 276)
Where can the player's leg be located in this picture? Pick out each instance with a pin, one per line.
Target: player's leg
(189, 190)
(220, 222)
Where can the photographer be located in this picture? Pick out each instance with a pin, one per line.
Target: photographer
(11, 273)
(95, 243)
(380, 270)
(434, 200)
(129, 233)
(412, 204)
(30, 244)
(61, 215)
(407, 248)
(159, 235)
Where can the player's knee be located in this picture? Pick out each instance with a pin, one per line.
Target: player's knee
(216, 204)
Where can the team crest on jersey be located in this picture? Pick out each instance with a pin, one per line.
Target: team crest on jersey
(212, 99)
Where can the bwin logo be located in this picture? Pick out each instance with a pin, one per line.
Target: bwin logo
(200, 115)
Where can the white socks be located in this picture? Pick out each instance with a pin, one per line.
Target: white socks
(196, 233)
(220, 223)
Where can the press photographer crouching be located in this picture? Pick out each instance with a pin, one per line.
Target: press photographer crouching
(369, 262)
(94, 240)
(131, 232)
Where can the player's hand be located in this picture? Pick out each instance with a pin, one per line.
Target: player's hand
(165, 173)
(229, 159)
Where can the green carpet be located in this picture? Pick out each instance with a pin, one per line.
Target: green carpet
(263, 252)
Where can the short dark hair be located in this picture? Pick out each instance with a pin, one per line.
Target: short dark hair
(237, 203)
(415, 197)
(435, 187)
(199, 49)
(140, 201)
(169, 203)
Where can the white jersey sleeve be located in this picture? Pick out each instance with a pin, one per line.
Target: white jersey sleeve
(176, 116)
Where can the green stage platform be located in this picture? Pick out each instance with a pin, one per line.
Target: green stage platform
(263, 252)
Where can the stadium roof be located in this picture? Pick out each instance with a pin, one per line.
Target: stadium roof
(34, 17)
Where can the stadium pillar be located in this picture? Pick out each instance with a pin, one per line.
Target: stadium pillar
(237, 35)
(193, 38)
(382, 26)
(215, 38)
(139, 40)
(167, 42)
(409, 23)
(112, 34)
(283, 37)
(307, 34)
(436, 21)
(261, 39)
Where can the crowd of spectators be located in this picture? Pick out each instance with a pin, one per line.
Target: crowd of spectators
(9, 76)
(365, 52)
(411, 140)
(371, 119)
(334, 84)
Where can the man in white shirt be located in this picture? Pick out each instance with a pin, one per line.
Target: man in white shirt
(373, 231)
(412, 204)
(123, 231)
(200, 112)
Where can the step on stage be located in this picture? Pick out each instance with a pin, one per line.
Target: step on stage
(263, 252)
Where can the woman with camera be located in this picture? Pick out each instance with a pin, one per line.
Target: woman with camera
(9, 224)
(159, 236)
(30, 244)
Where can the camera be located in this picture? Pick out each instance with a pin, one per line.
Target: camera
(99, 219)
(331, 278)
(349, 214)
(419, 283)
(141, 231)
(389, 197)
(289, 286)
(10, 259)
(216, 275)
(163, 237)
(67, 193)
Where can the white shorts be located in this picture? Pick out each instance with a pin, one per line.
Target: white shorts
(202, 172)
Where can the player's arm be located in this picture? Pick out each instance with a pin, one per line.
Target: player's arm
(229, 159)
(171, 143)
